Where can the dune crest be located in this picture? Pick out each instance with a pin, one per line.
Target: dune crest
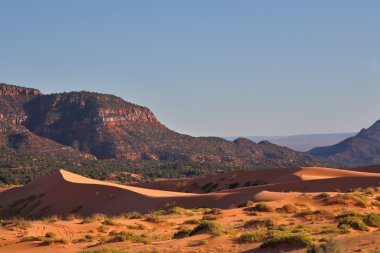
(64, 192)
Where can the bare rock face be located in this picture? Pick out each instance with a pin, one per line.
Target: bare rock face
(11, 90)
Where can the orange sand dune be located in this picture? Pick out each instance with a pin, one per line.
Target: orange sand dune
(64, 192)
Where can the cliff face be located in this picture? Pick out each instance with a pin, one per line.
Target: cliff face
(11, 90)
(106, 126)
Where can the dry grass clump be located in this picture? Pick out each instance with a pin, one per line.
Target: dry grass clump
(257, 223)
(252, 237)
(155, 218)
(192, 221)
(133, 215)
(332, 245)
(123, 236)
(87, 238)
(212, 227)
(212, 216)
(289, 208)
(137, 226)
(104, 250)
(48, 239)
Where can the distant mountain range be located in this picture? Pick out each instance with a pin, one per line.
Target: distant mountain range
(301, 142)
(103, 136)
(75, 127)
(361, 149)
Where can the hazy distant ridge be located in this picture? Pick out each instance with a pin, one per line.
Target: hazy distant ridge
(302, 142)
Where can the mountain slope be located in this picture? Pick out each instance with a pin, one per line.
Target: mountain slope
(362, 149)
(109, 127)
(122, 136)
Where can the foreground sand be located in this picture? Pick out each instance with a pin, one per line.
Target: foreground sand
(314, 215)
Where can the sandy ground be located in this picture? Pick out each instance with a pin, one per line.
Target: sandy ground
(64, 192)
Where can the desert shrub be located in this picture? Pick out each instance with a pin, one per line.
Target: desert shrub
(123, 236)
(251, 213)
(360, 200)
(210, 226)
(50, 235)
(289, 208)
(254, 236)
(212, 216)
(192, 221)
(133, 215)
(154, 218)
(53, 218)
(370, 190)
(87, 238)
(70, 217)
(353, 220)
(256, 223)
(20, 223)
(182, 233)
(103, 229)
(344, 229)
(262, 207)
(246, 203)
(104, 250)
(49, 241)
(372, 220)
(138, 226)
(214, 211)
(203, 242)
(176, 210)
(332, 245)
(303, 229)
(291, 239)
(109, 222)
(32, 238)
(323, 195)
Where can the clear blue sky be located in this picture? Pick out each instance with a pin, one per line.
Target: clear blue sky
(206, 67)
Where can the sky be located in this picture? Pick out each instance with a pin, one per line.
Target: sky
(206, 67)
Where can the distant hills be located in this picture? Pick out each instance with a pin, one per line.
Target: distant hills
(77, 128)
(302, 142)
(361, 149)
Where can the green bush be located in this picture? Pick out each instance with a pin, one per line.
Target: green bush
(210, 226)
(353, 220)
(292, 239)
(251, 237)
(262, 207)
(372, 220)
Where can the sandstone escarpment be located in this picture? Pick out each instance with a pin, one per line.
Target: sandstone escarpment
(12, 90)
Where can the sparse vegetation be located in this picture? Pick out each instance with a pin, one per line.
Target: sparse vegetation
(210, 226)
(332, 245)
(291, 239)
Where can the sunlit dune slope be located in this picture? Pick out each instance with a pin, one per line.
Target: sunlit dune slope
(64, 192)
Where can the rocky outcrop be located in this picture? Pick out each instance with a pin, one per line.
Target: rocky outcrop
(12, 90)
